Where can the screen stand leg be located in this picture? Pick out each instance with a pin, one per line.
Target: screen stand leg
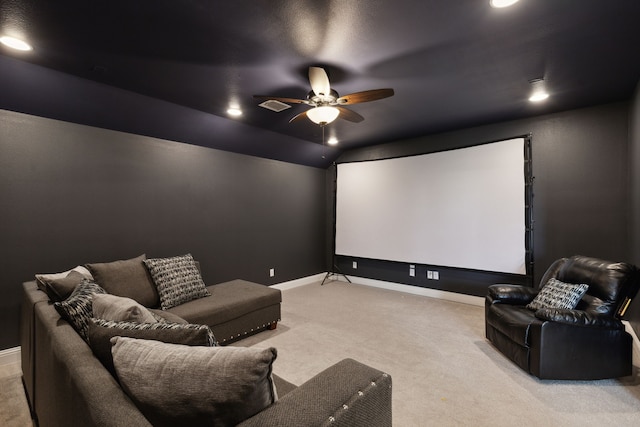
(331, 274)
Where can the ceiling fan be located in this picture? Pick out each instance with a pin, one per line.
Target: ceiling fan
(327, 104)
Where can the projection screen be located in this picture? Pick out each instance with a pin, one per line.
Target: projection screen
(461, 208)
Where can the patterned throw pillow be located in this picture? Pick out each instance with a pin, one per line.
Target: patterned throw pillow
(177, 280)
(557, 294)
(78, 308)
(101, 331)
(159, 326)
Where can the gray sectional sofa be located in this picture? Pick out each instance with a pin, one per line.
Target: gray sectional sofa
(67, 385)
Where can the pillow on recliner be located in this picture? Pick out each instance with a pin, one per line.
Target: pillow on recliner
(557, 294)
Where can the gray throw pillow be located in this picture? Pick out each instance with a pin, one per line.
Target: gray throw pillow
(177, 280)
(77, 309)
(557, 294)
(101, 331)
(59, 289)
(121, 309)
(127, 278)
(194, 386)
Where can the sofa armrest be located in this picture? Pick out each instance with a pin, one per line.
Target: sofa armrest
(511, 294)
(578, 318)
(348, 393)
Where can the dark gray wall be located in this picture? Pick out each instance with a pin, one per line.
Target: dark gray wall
(72, 194)
(634, 199)
(581, 183)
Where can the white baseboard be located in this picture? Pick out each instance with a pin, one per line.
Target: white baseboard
(10, 356)
(299, 282)
(417, 290)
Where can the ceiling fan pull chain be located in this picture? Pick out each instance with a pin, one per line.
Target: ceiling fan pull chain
(323, 148)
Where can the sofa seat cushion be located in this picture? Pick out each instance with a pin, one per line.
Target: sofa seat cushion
(228, 301)
(513, 321)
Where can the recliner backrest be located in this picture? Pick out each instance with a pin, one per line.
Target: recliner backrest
(610, 283)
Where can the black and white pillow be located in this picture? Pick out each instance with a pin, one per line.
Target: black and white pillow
(177, 280)
(159, 326)
(78, 308)
(557, 294)
(101, 331)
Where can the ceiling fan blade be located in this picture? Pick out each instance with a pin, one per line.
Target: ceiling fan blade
(349, 115)
(365, 96)
(319, 81)
(298, 117)
(281, 99)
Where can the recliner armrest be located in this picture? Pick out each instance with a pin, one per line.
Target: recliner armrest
(578, 318)
(511, 294)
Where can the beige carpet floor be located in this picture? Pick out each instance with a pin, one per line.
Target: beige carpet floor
(444, 371)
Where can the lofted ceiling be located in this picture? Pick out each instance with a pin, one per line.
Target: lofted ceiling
(171, 69)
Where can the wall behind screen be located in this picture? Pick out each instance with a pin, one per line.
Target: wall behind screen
(456, 208)
(580, 193)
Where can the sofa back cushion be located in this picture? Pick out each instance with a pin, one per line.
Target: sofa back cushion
(126, 278)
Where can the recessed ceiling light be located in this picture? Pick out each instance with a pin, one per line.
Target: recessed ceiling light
(332, 141)
(503, 3)
(234, 111)
(537, 97)
(15, 43)
(538, 91)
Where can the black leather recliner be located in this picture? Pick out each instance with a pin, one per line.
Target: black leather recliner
(585, 343)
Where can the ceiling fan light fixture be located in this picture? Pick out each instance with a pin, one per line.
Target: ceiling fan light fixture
(503, 3)
(323, 115)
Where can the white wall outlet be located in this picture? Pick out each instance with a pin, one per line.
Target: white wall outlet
(436, 275)
(429, 274)
(272, 272)
(412, 270)
(355, 265)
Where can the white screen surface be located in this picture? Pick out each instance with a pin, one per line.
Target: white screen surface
(462, 208)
